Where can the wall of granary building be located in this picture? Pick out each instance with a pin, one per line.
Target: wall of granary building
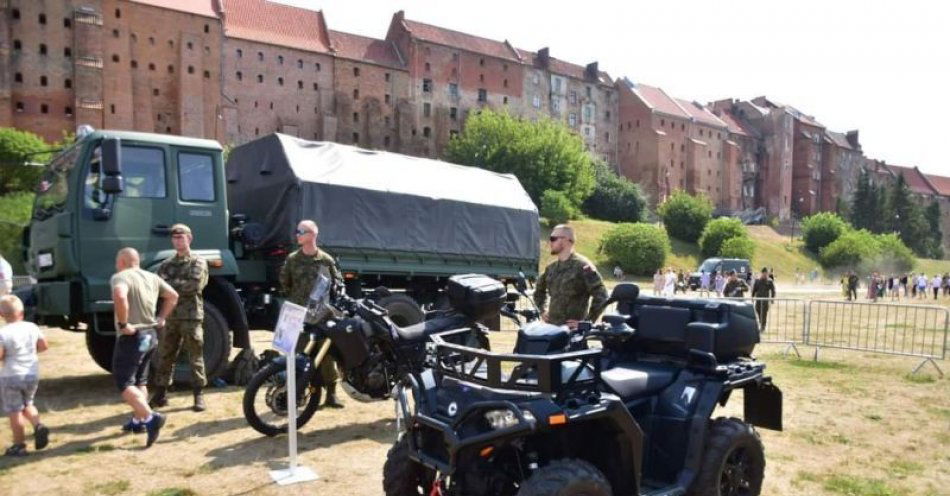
(806, 168)
(705, 167)
(367, 99)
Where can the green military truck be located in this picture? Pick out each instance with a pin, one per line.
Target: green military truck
(391, 221)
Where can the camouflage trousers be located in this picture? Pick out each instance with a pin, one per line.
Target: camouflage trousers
(180, 334)
(328, 368)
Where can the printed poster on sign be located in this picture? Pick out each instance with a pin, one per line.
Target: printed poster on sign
(289, 327)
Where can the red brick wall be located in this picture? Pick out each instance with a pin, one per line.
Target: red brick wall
(371, 112)
(806, 168)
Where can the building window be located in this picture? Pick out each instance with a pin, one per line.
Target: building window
(453, 90)
(69, 111)
(316, 87)
(481, 78)
(317, 65)
(18, 78)
(426, 132)
(387, 120)
(356, 72)
(154, 91)
(299, 85)
(118, 14)
(171, 44)
(572, 119)
(17, 45)
(171, 69)
(115, 33)
(68, 83)
(191, 69)
(67, 23)
(280, 81)
(557, 85)
(453, 113)
(662, 122)
(42, 49)
(505, 83)
(556, 104)
(535, 79)
(573, 97)
(271, 105)
(482, 95)
(134, 64)
(386, 98)
(260, 78)
(43, 81)
(299, 63)
(42, 18)
(356, 116)
(536, 101)
(240, 53)
(316, 110)
(356, 94)
(504, 100)
(455, 56)
(386, 77)
(588, 92)
(207, 74)
(44, 108)
(207, 29)
(260, 56)
(427, 86)
(386, 141)
(356, 137)
(19, 107)
(481, 62)
(67, 52)
(15, 14)
(607, 137)
(257, 131)
(607, 115)
(586, 131)
(280, 59)
(428, 67)
(427, 109)
(151, 67)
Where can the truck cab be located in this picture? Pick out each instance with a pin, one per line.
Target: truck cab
(114, 189)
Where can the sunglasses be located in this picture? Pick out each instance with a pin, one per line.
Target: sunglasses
(301, 232)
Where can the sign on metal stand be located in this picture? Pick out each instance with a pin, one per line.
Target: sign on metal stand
(289, 327)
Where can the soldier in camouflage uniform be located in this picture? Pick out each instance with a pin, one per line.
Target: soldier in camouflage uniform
(576, 288)
(188, 274)
(297, 277)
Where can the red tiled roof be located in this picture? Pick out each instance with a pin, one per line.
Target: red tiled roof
(735, 125)
(658, 100)
(942, 183)
(448, 37)
(915, 179)
(700, 113)
(839, 139)
(363, 48)
(200, 7)
(276, 24)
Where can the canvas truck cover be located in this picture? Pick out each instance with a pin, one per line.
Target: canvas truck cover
(375, 200)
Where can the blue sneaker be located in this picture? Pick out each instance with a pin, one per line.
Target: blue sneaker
(132, 426)
(153, 427)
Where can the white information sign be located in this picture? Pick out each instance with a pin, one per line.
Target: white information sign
(289, 327)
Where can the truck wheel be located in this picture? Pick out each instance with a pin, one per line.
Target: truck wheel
(100, 348)
(217, 347)
(566, 477)
(733, 461)
(403, 310)
(403, 476)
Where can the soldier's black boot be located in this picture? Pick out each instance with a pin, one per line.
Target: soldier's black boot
(159, 399)
(331, 401)
(199, 400)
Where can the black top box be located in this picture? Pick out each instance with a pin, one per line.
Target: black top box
(476, 295)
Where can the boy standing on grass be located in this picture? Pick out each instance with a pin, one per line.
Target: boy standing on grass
(20, 341)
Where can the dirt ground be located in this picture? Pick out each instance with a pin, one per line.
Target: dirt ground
(856, 424)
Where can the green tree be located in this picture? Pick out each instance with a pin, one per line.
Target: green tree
(15, 211)
(821, 229)
(19, 152)
(716, 233)
(892, 256)
(638, 248)
(556, 207)
(849, 250)
(932, 215)
(861, 202)
(615, 198)
(738, 247)
(906, 218)
(685, 216)
(543, 155)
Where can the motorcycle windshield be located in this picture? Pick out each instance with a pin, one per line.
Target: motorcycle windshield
(318, 305)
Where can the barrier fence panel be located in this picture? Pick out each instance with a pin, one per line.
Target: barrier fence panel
(909, 330)
(785, 320)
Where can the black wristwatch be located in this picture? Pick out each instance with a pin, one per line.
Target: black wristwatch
(123, 325)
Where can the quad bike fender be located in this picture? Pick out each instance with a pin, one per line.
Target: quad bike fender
(762, 403)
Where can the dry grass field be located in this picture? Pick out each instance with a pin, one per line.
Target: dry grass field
(857, 424)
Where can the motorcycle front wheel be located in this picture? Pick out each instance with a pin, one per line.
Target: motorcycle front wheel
(265, 399)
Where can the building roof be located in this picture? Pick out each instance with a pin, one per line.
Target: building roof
(365, 49)
(457, 39)
(940, 183)
(276, 24)
(763, 101)
(199, 7)
(735, 125)
(700, 113)
(564, 68)
(657, 99)
(915, 179)
(839, 139)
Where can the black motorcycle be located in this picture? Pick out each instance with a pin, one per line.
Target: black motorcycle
(372, 353)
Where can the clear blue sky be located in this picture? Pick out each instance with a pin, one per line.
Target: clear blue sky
(880, 67)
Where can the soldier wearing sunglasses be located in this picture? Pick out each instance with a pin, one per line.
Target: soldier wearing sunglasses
(296, 280)
(576, 289)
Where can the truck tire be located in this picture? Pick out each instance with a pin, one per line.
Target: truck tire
(217, 348)
(733, 461)
(403, 310)
(403, 476)
(566, 477)
(100, 348)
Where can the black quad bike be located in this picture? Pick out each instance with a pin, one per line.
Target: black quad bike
(372, 352)
(632, 417)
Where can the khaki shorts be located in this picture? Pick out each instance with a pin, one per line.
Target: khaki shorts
(16, 393)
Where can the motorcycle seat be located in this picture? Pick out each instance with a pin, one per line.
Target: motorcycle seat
(631, 380)
(422, 330)
(539, 338)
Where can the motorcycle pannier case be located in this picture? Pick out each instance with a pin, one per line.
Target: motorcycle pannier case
(478, 297)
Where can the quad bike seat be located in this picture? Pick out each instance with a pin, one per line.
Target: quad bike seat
(635, 379)
(539, 338)
(422, 330)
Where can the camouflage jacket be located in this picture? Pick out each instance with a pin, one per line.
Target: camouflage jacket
(576, 289)
(300, 271)
(188, 275)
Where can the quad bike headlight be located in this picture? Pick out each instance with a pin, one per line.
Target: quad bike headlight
(500, 419)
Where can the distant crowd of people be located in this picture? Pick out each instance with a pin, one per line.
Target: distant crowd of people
(896, 286)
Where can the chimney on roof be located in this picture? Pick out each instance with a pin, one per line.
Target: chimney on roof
(852, 137)
(544, 57)
(401, 15)
(592, 72)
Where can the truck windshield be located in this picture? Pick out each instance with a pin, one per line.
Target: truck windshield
(53, 188)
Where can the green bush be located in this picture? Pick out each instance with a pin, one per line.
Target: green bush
(614, 199)
(717, 232)
(685, 216)
(556, 207)
(821, 229)
(19, 149)
(637, 248)
(738, 247)
(893, 255)
(15, 211)
(860, 250)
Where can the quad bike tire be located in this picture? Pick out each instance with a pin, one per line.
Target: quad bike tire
(403, 476)
(567, 477)
(403, 309)
(259, 382)
(733, 461)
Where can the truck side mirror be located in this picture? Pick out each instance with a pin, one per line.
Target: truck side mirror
(111, 149)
